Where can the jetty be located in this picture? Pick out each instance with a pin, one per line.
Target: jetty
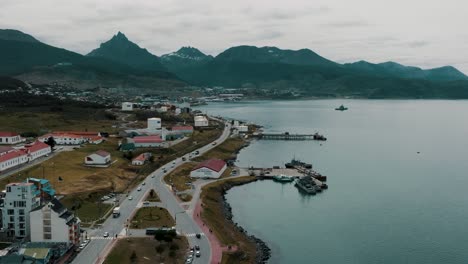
(289, 136)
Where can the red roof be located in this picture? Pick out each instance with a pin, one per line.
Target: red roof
(57, 135)
(140, 157)
(212, 164)
(12, 155)
(78, 133)
(182, 128)
(147, 139)
(95, 138)
(8, 134)
(102, 153)
(38, 145)
(4, 149)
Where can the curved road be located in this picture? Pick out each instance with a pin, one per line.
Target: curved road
(98, 248)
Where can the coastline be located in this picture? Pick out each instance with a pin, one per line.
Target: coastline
(217, 213)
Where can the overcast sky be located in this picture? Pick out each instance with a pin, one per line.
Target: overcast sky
(425, 33)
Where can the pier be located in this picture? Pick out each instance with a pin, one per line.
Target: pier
(288, 136)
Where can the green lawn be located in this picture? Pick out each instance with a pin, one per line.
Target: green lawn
(152, 217)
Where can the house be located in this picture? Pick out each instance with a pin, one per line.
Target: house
(146, 141)
(242, 128)
(212, 168)
(186, 130)
(99, 157)
(53, 222)
(127, 106)
(201, 121)
(64, 139)
(141, 159)
(10, 138)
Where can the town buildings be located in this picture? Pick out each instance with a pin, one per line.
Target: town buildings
(11, 157)
(63, 139)
(146, 141)
(141, 159)
(212, 168)
(127, 106)
(10, 138)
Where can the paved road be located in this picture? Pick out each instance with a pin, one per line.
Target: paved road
(99, 247)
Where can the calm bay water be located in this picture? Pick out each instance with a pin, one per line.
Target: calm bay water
(385, 204)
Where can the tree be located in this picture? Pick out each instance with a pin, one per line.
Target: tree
(51, 142)
(160, 250)
(172, 253)
(152, 193)
(174, 247)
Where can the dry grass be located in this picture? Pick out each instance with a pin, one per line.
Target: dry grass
(224, 230)
(185, 197)
(145, 251)
(224, 151)
(152, 217)
(180, 177)
(77, 178)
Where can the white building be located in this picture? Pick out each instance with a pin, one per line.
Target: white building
(54, 223)
(99, 157)
(154, 123)
(19, 200)
(141, 159)
(212, 168)
(10, 138)
(242, 128)
(201, 121)
(37, 149)
(13, 159)
(146, 141)
(64, 139)
(127, 106)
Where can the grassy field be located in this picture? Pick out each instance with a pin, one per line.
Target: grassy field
(185, 197)
(85, 207)
(146, 251)
(79, 119)
(224, 230)
(152, 196)
(152, 217)
(77, 178)
(224, 151)
(180, 177)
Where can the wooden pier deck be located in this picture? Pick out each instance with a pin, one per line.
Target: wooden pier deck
(284, 136)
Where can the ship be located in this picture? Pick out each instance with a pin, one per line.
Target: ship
(282, 178)
(297, 163)
(319, 137)
(307, 185)
(341, 108)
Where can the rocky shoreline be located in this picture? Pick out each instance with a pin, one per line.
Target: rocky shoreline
(263, 252)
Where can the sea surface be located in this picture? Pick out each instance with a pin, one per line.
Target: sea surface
(385, 203)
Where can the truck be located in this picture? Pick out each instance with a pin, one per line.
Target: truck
(116, 212)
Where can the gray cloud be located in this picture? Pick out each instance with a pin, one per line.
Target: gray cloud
(336, 29)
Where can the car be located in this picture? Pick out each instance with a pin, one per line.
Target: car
(214, 143)
(139, 188)
(115, 200)
(130, 198)
(144, 183)
(190, 252)
(198, 235)
(172, 166)
(81, 246)
(146, 203)
(86, 241)
(197, 152)
(184, 158)
(152, 176)
(163, 168)
(106, 234)
(164, 171)
(198, 254)
(189, 260)
(197, 247)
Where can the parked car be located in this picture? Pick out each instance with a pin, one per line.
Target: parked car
(164, 171)
(152, 176)
(184, 158)
(130, 198)
(198, 235)
(198, 254)
(197, 247)
(106, 234)
(146, 203)
(144, 183)
(139, 188)
(214, 143)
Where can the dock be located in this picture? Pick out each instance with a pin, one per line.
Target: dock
(288, 136)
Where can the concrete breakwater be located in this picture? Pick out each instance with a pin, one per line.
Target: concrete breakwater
(263, 252)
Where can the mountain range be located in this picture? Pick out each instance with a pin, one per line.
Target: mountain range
(121, 63)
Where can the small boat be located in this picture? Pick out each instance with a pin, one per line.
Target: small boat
(341, 108)
(282, 178)
(297, 163)
(319, 137)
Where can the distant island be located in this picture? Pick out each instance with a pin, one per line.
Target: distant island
(266, 72)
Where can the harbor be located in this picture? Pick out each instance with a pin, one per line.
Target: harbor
(306, 180)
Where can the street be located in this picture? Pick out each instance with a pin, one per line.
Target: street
(99, 246)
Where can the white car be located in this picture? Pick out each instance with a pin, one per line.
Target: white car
(139, 188)
(106, 234)
(130, 198)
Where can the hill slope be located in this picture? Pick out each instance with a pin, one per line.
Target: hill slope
(16, 35)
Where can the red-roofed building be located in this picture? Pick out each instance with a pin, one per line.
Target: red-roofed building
(99, 157)
(13, 159)
(212, 168)
(186, 130)
(64, 139)
(141, 159)
(5, 149)
(10, 138)
(147, 141)
(95, 139)
(37, 150)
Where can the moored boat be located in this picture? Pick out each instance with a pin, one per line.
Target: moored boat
(282, 178)
(341, 108)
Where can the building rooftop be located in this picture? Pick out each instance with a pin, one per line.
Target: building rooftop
(20, 184)
(8, 134)
(102, 153)
(12, 155)
(212, 164)
(182, 128)
(37, 145)
(4, 149)
(37, 253)
(147, 139)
